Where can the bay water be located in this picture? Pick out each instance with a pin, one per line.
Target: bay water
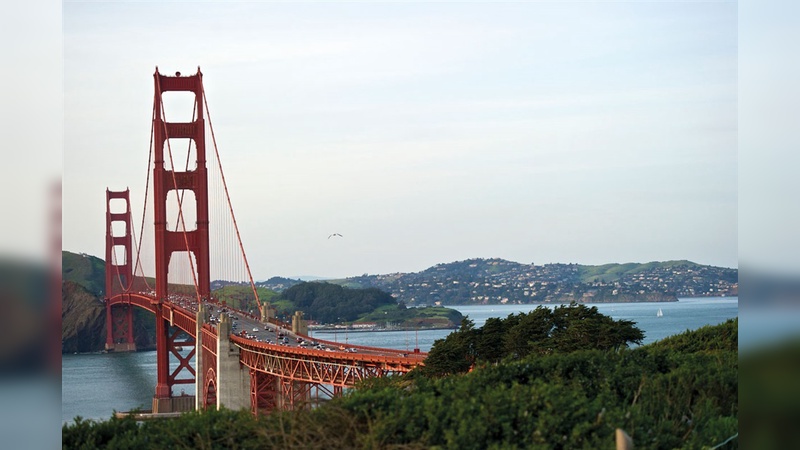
(93, 386)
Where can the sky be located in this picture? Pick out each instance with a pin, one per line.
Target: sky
(424, 133)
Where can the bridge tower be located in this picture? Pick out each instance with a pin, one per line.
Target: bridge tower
(119, 275)
(167, 242)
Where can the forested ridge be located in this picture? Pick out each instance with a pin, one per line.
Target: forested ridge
(331, 303)
(328, 303)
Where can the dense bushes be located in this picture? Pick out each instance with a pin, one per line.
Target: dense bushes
(662, 398)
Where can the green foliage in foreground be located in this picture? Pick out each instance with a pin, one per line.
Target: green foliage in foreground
(324, 428)
(663, 397)
(770, 394)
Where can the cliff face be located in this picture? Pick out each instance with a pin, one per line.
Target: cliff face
(83, 325)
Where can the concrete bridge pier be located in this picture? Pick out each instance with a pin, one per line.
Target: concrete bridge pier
(267, 312)
(199, 375)
(299, 326)
(233, 379)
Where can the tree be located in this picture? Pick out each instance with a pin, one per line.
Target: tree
(453, 354)
(543, 331)
(489, 343)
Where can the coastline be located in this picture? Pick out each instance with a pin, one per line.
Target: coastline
(374, 330)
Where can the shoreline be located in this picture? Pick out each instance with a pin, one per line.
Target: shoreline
(374, 330)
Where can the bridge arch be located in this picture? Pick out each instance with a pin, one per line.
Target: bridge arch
(210, 389)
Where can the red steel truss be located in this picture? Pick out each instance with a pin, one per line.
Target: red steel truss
(298, 372)
(263, 392)
(178, 341)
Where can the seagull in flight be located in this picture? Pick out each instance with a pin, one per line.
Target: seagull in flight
(334, 234)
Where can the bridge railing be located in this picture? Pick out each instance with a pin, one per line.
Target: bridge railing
(410, 359)
(336, 344)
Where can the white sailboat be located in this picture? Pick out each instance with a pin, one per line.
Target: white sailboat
(659, 313)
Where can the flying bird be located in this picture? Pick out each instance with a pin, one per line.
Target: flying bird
(334, 234)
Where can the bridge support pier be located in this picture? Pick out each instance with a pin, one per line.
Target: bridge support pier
(119, 329)
(299, 326)
(233, 379)
(267, 312)
(162, 401)
(200, 376)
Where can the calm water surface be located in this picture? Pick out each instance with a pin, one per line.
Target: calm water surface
(93, 386)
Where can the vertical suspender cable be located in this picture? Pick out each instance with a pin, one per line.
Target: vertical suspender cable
(146, 189)
(227, 196)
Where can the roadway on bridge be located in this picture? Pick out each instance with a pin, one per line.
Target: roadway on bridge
(269, 333)
(251, 328)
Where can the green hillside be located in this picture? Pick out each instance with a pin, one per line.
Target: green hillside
(241, 297)
(85, 270)
(399, 316)
(613, 272)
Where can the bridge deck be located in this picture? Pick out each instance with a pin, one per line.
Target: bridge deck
(262, 350)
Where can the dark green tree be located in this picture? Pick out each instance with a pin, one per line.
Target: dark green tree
(543, 331)
(454, 354)
(489, 340)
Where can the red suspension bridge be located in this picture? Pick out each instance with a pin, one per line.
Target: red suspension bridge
(237, 356)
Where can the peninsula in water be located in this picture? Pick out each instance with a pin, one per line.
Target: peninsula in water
(497, 281)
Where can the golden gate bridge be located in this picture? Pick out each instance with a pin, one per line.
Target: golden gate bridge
(167, 270)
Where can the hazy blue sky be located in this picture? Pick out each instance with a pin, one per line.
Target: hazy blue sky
(424, 132)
